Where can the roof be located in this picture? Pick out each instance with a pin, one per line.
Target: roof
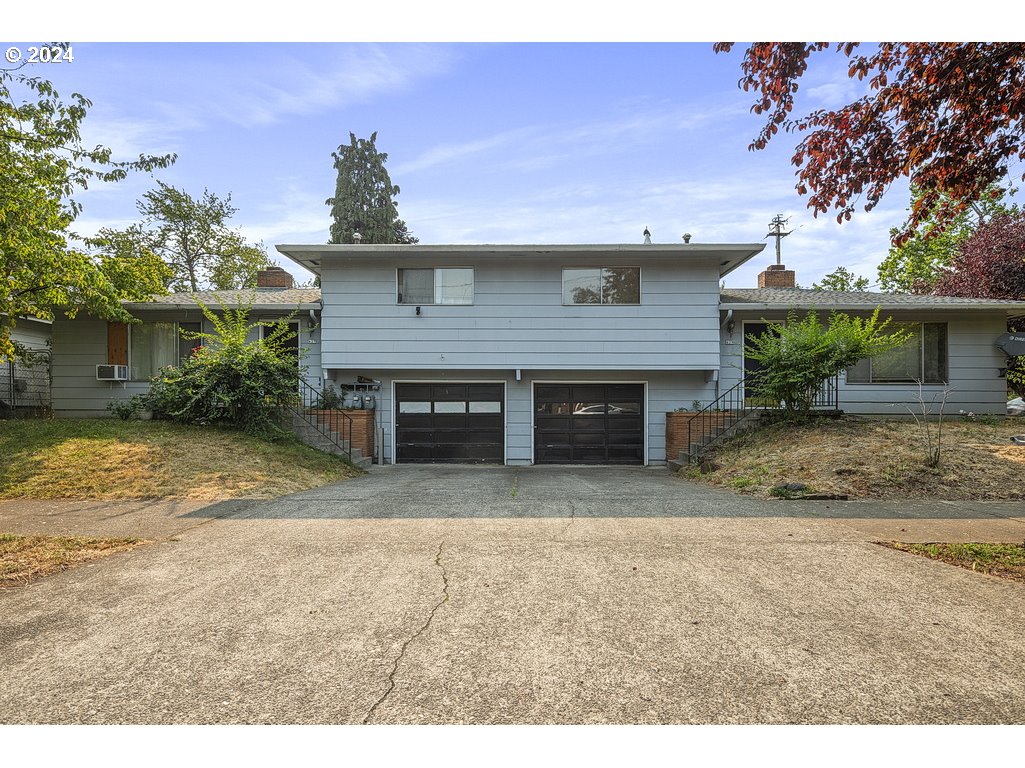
(806, 298)
(730, 255)
(284, 299)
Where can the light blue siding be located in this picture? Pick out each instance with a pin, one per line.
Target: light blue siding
(518, 320)
(974, 363)
(80, 345)
(666, 391)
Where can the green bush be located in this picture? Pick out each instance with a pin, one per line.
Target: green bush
(230, 381)
(129, 409)
(798, 357)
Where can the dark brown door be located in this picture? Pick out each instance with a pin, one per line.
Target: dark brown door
(588, 423)
(450, 423)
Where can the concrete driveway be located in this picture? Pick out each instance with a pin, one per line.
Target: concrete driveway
(505, 595)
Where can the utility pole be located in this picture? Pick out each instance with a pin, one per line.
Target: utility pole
(776, 227)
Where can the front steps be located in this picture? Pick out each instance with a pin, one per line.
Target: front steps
(323, 438)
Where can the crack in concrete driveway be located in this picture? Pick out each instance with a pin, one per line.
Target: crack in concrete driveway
(414, 636)
(595, 595)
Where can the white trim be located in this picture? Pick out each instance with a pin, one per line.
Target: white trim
(645, 416)
(393, 407)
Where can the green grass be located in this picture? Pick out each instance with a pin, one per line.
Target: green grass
(1005, 560)
(114, 459)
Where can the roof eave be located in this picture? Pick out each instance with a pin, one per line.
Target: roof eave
(155, 307)
(310, 257)
(1012, 309)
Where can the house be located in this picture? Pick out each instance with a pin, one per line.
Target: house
(82, 389)
(523, 354)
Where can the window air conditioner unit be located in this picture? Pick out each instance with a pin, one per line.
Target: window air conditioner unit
(112, 373)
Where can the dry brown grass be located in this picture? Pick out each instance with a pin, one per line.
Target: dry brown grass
(876, 459)
(109, 459)
(24, 558)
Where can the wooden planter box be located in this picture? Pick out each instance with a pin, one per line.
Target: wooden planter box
(704, 425)
(362, 427)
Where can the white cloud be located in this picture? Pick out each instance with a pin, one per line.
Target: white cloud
(534, 147)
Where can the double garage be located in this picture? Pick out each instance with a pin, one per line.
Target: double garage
(572, 423)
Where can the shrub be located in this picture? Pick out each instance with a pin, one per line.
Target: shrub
(129, 409)
(798, 357)
(230, 381)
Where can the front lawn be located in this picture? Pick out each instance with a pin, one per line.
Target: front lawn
(865, 458)
(113, 459)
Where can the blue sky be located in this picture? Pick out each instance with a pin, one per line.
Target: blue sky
(490, 143)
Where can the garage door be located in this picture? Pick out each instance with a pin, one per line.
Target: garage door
(450, 423)
(588, 423)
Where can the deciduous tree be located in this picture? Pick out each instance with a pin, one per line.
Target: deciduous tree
(364, 199)
(43, 166)
(842, 279)
(915, 265)
(947, 115)
(990, 264)
(194, 239)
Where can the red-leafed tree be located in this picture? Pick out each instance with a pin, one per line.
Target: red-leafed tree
(950, 116)
(990, 264)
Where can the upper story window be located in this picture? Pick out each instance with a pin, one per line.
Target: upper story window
(601, 285)
(922, 358)
(443, 285)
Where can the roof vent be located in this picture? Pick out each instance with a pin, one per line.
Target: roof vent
(686, 237)
(647, 236)
(357, 238)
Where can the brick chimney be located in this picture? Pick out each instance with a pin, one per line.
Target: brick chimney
(777, 276)
(275, 277)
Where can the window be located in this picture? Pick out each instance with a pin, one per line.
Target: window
(604, 285)
(157, 345)
(923, 358)
(152, 347)
(448, 285)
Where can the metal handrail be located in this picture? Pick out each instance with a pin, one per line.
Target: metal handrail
(733, 406)
(310, 400)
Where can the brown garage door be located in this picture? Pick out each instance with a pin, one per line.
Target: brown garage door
(450, 423)
(588, 423)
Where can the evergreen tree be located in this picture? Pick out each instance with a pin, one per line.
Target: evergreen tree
(364, 198)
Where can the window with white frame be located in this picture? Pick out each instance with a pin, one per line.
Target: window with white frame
(922, 358)
(440, 285)
(601, 285)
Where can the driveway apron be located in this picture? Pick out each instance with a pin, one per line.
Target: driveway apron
(522, 595)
